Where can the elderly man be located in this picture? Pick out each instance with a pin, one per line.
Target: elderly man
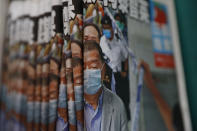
(92, 32)
(103, 110)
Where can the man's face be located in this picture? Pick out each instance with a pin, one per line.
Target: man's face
(76, 50)
(92, 60)
(119, 23)
(90, 33)
(108, 27)
(77, 74)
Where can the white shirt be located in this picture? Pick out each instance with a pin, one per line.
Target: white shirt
(116, 51)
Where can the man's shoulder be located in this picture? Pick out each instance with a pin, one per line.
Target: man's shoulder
(114, 100)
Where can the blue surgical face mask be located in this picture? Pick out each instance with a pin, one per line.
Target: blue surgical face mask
(30, 106)
(71, 112)
(107, 33)
(62, 100)
(120, 25)
(44, 112)
(92, 81)
(37, 115)
(52, 110)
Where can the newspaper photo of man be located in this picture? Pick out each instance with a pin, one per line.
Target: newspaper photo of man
(103, 110)
(92, 32)
(78, 89)
(62, 118)
(70, 93)
(77, 66)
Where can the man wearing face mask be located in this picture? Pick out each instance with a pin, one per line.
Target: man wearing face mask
(78, 89)
(103, 110)
(92, 32)
(113, 47)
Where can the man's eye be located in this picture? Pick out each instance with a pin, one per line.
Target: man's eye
(93, 65)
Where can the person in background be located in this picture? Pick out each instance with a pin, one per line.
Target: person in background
(117, 53)
(92, 32)
(103, 110)
(121, 23)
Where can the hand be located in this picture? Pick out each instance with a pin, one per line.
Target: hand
(160, 101)
(147, 75)
(147, 72)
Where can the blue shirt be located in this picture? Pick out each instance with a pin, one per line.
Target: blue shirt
(93, 117)
(61, 125)
(79, 126)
